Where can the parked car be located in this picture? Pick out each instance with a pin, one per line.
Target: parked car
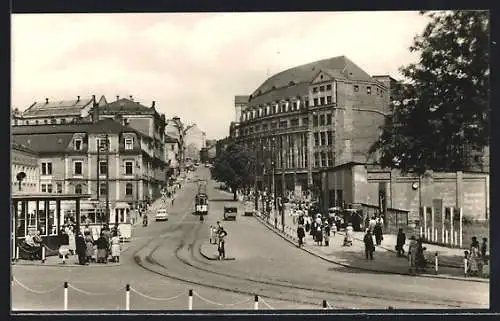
(230, 213)
(161, 215)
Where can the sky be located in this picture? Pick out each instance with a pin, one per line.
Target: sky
(193, 64)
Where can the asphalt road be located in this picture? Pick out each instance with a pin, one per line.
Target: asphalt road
(164, 262)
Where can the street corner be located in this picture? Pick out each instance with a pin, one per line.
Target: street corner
(209, 251)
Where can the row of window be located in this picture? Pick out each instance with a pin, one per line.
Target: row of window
(322, 119)
(103, 168)
(322, 88)
(379, 91)
(274, 109)
(323, 159)
(46, 121)
(322, 101)
(47, 188)
(323, 138)
(101, 144)
(294, 122)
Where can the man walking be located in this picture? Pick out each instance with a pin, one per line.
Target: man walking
(369, 246)
(400, 242)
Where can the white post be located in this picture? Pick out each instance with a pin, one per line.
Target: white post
(429, 235)
(446, 236)
(460, 233)
(127, 297)
(455, 236)
(465, 266)
(433, 235)
(64, 258)
(256, 303)
(421, 231)
(424, 210)
(451, 227)
(436, 235)
(17, 253)
(436, 265)
(443, 216)
(43, 254)
(190, 300)
(65, 296)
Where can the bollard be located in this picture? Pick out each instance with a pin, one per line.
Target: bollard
(127, 297)
(446, 237)
(17, 253)
(436, 266)
(43, 254)
(190, 300)
(436, 235)
(465, 266)
(256, 303)
(65, 296)
(421, 231)
(455, 238)
(64, 258)
(325, 306)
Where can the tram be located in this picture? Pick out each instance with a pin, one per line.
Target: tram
(201, 199)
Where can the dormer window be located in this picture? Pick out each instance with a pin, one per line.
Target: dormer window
(315, 89)
(368, 90)
(78, 144)
(129, 143)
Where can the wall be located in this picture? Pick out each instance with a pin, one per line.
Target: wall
(141, 124)
(22, 161)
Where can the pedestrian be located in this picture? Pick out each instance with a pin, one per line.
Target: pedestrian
(420, 261)
(301, 234)
(377, 230)
(484, 248)
(412, 253)
(173, 199)
(369, 246)
(400, 242)
(89, 246)
(473, 258)
(72, 241)
(115, 247)
(102, 249)
(372, 223)
(221, 247)
(333, 228)
(326, 233)
(81, 248)
(318, 235)
(63, 247)
(349, 231)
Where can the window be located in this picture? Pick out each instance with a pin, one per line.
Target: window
(328, 99)
(26, 122)
(330, 137)
(63, 121)
(101, 144)
(294, 105)
(129, 143)
(315, 89)
(322, 120)
(323, 159)
(283, 124)
(315, 102)
(316, 159)
(49, 188)
(315, 120)
(368, 90)
(45, 121)
(264, 126)
(103, 190)
(44, 188)
(273, 125)
(316, 139)
(47, 168)
(294, 122)
(78, 144)
(103, 167)
(77, 168)
(323, 138)
(129, 168)
(328, 87)
(172, 147)
(322, 88)
(78, 189)
(36, 122)
(305, 121)
(328, 119)
(128, 189)
(53, 121)
(322, 101)
(59, 188)
(306, 103)
(356, 88)
(328, 160)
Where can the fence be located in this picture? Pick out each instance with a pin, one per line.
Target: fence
(394, 218)
(190, 295)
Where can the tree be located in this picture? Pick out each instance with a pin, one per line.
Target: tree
(181, 131)
(441, 109)
(235, 166)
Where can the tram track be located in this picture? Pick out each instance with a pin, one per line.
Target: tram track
(185, 254)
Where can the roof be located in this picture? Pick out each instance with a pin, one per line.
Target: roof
(126, 105)
(101, 127)
(306, 73)
(21, 147)
(45, 143)
(241, 99)
(57, 108)
(281, 93)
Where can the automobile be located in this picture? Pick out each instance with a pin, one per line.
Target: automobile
(230, 213)
(161, 215)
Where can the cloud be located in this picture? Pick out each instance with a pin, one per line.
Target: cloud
(192, 64)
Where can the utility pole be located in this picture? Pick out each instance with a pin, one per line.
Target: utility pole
(98, 177)
(107, 179)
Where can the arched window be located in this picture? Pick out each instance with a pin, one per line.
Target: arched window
(129, 189)
(78, 189)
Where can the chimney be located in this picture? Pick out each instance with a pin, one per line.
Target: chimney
(131, 97)
(78, 98)
(46, 100)
(153, 104)
(117, 98)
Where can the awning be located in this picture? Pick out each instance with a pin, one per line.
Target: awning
(122, 205)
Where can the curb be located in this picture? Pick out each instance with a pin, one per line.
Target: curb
(60, 265)
(213, 258)
(430, 276)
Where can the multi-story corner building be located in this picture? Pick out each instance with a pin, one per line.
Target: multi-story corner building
(24, 160)
(151, 125)
(58, 111)
(70, 163)
(310, 118)
(194, 140)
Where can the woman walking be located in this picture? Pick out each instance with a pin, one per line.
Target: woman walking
(89, 246)
(115, 247)
(72, 239)
(474, 257)
(301, 234)
(102, 249)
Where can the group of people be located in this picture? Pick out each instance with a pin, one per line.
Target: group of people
(87, 248)
(476, 256)
(33, 245)
(320, 228)
(217, 236)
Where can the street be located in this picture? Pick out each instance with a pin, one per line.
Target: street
(164, 262)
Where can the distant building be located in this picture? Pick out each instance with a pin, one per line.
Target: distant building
(172, 155)
(68, 164)
(212, 152)
(194, 141)
(58, 111)
(24, 160)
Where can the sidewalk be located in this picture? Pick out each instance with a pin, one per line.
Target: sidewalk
(385, 261)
